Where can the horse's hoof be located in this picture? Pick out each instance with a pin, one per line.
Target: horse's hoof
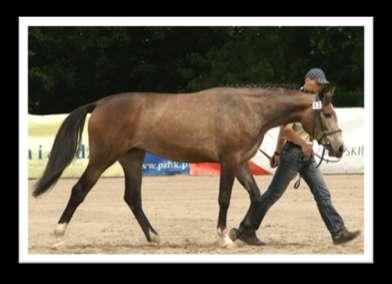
(60, 229)
(229, 245)
(226, 243)
(233, 234)
(224, 240)
(154, 238)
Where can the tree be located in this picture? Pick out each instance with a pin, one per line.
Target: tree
(71, 66)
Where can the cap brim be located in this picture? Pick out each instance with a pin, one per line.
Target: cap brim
(323, 81)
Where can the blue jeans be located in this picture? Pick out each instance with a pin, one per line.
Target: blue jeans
(292, 162)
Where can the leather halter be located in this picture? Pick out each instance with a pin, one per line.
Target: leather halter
(324, 132)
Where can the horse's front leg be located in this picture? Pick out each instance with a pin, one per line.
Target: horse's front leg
(225, 188)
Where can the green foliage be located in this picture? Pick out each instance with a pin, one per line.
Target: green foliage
(71, 66)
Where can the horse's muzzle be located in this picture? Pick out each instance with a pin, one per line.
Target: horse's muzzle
(333, 153)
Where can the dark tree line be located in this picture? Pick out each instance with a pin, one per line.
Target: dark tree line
(70, 66)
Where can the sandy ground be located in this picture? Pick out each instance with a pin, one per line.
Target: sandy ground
(184, 209)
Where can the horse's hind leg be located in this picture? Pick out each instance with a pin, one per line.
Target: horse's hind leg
(132, 164)
(79, 192)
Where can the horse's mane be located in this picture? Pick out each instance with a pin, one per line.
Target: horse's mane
(286, 86)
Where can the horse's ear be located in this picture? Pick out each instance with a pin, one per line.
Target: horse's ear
(333, 90)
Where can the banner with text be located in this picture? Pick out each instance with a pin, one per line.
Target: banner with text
(43, 128)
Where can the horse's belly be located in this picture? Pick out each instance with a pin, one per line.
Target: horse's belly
(183, 152)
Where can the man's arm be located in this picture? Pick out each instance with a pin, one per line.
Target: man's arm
(290, 135)
(281, 140)
(279, 145)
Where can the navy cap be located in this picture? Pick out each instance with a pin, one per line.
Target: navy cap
(318, 75)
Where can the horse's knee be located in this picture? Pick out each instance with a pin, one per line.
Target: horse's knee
(78, 194)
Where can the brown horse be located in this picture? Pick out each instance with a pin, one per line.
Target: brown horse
(223, 125)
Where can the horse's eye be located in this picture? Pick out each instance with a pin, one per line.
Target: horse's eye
(328, 115)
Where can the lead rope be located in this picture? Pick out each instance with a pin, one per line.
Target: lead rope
(298, 182)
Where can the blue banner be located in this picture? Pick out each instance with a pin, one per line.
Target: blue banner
(155, 166)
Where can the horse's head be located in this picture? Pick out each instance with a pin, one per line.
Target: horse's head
(323, 123)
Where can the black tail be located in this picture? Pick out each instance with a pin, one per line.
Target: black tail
(65, 146)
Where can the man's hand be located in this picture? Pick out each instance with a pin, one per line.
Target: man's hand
(307, 149)
(274, 161)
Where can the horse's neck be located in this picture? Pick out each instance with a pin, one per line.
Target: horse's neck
(285, 109)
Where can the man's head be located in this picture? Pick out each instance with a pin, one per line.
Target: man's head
(315, 80)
